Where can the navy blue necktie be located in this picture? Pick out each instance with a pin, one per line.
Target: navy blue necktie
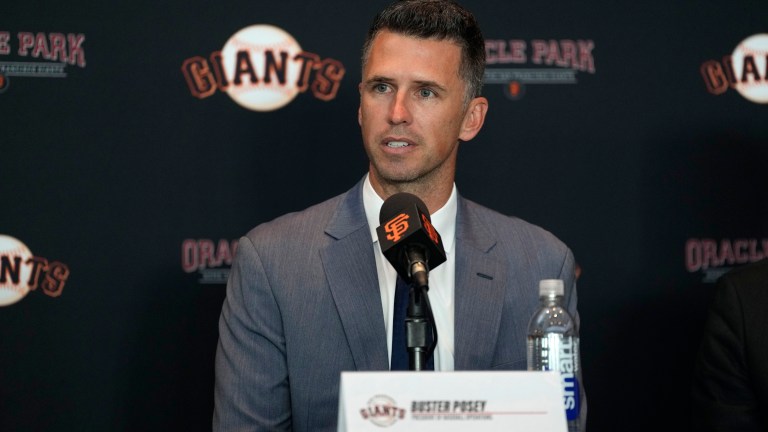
(399, 345)
(399, 348)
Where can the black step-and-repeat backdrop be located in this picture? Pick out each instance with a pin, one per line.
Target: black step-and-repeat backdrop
(138, 141)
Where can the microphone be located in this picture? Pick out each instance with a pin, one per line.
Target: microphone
(408, 239)
(411, 244)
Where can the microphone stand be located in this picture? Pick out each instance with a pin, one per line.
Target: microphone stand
(419, 320)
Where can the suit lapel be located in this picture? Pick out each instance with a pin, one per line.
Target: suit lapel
(479, 291)
(350, 269)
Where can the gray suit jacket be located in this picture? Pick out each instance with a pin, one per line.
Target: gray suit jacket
(303, 305)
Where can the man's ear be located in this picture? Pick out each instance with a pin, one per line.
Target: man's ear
(474, 118)
(359, 112)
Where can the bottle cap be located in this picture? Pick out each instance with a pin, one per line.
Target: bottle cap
(551, 287)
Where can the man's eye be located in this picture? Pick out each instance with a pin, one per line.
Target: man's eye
(425, 93)
(380, 88)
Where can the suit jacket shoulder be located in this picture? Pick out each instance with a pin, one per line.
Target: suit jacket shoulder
(488, 229)
(303, 304)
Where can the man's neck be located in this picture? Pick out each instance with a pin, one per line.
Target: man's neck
(433, 196)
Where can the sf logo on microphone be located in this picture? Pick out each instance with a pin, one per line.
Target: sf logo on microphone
(396, 227)
(430, 229)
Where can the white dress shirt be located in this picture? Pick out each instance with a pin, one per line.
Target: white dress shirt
(441, 279)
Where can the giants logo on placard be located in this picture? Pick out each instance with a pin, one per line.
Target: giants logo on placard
(212, 260)
(715, 257)
(382, 411)
(22, 272)
(553, 62)
(263, 68)
(745, 70)
(58, 49)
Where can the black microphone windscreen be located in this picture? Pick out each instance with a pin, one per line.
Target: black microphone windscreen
(405, 225)
(397, 202)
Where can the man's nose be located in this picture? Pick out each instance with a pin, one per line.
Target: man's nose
(399, 111)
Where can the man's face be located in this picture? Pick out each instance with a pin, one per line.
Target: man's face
(411, 110)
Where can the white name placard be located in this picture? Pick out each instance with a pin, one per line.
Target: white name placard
(519, 401)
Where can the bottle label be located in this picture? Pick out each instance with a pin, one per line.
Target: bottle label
(561, 353)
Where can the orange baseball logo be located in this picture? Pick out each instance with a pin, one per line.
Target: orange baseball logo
(430, 229)
(396, 227)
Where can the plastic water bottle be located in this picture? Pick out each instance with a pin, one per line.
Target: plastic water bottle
(553, 344)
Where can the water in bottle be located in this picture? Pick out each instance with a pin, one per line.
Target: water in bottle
(553, 344)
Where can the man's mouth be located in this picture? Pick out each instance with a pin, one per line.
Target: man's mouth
(397, 144)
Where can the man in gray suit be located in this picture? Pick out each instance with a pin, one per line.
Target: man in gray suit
(310, 294)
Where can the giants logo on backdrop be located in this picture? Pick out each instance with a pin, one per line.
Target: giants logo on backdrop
(211, 259)
(538, 62)
(263, 68)
(745, 70)
(382, 411)
(715, 257)
(59, 50)
(22, 272)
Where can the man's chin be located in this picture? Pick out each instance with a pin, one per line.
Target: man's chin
(398, 177)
